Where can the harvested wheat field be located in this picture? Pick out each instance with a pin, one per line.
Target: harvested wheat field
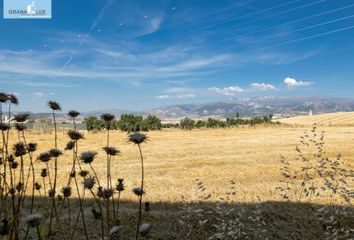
(174, 159)
(336, 119)
(220, 183)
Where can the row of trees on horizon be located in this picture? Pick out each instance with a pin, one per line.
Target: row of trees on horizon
(132, 123)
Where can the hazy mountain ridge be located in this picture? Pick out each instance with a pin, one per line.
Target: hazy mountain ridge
(247, 107)
(251, 107)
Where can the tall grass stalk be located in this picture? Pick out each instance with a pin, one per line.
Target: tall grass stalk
(53, 209)
(138, 139)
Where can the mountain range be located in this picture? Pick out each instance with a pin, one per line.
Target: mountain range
(246, 107)
(261, 106)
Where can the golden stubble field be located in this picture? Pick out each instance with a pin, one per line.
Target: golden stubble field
(174, 159)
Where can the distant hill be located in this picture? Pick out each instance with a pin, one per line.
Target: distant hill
(115, 112)
(339, 118)
(247, 107)
(251, 107)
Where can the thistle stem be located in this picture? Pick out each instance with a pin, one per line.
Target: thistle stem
(142, 191)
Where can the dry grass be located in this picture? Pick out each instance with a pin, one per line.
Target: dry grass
(330, 119)
(175, 158)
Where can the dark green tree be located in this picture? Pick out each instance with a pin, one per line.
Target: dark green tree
(131, 123)
(187, 123)
(152, 123)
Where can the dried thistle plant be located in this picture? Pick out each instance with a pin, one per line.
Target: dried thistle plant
(15, 178)
(137, 139)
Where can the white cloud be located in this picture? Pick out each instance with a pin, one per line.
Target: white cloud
(163, 97)
(177, 90)
(178, 96)
(293, 83)
(128, 67)
(39, 94)
(45, 84)
(263, 86)
(227, 91)
(184, 96)
(155, 24)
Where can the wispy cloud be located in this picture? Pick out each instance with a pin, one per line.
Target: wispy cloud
(39, 94)
(185, 96)
(227, 91)
(163, 97)
(100, 16)
(178, 96)
(263, 86)
(96, 66)
(293, 83)
(42, 94)
(152, 25)
(179, 90)
(178, 93)
(47, 84)
(107, 61)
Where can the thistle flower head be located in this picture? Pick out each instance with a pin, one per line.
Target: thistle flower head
(4, 97)
(37, 186)
(120, 185)
(51, 193)
(67, 191)
(13, 99)
(137, 138)
(13, 165)
(88, 157)
(44, 173)
(12, 191)
(112, 151)
(33, 220)
(73, 113)
(75, 135)
(19, 186)
(89, 183)
(55, 106)
(32, 147)
(107, 193)
(84, 173)
(4, 126)
(55, 152)
(138, 191)
(115, 233)
(11, 158)
(144, 229)
(19, 149)
(21, 117)
(70, 146)
(20, 127)
(44, 157)
(107, 117)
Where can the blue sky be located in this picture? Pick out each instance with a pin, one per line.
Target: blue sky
(138, 54)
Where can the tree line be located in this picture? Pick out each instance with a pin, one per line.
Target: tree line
(127, 123)
(189, 124)
(133, 123)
